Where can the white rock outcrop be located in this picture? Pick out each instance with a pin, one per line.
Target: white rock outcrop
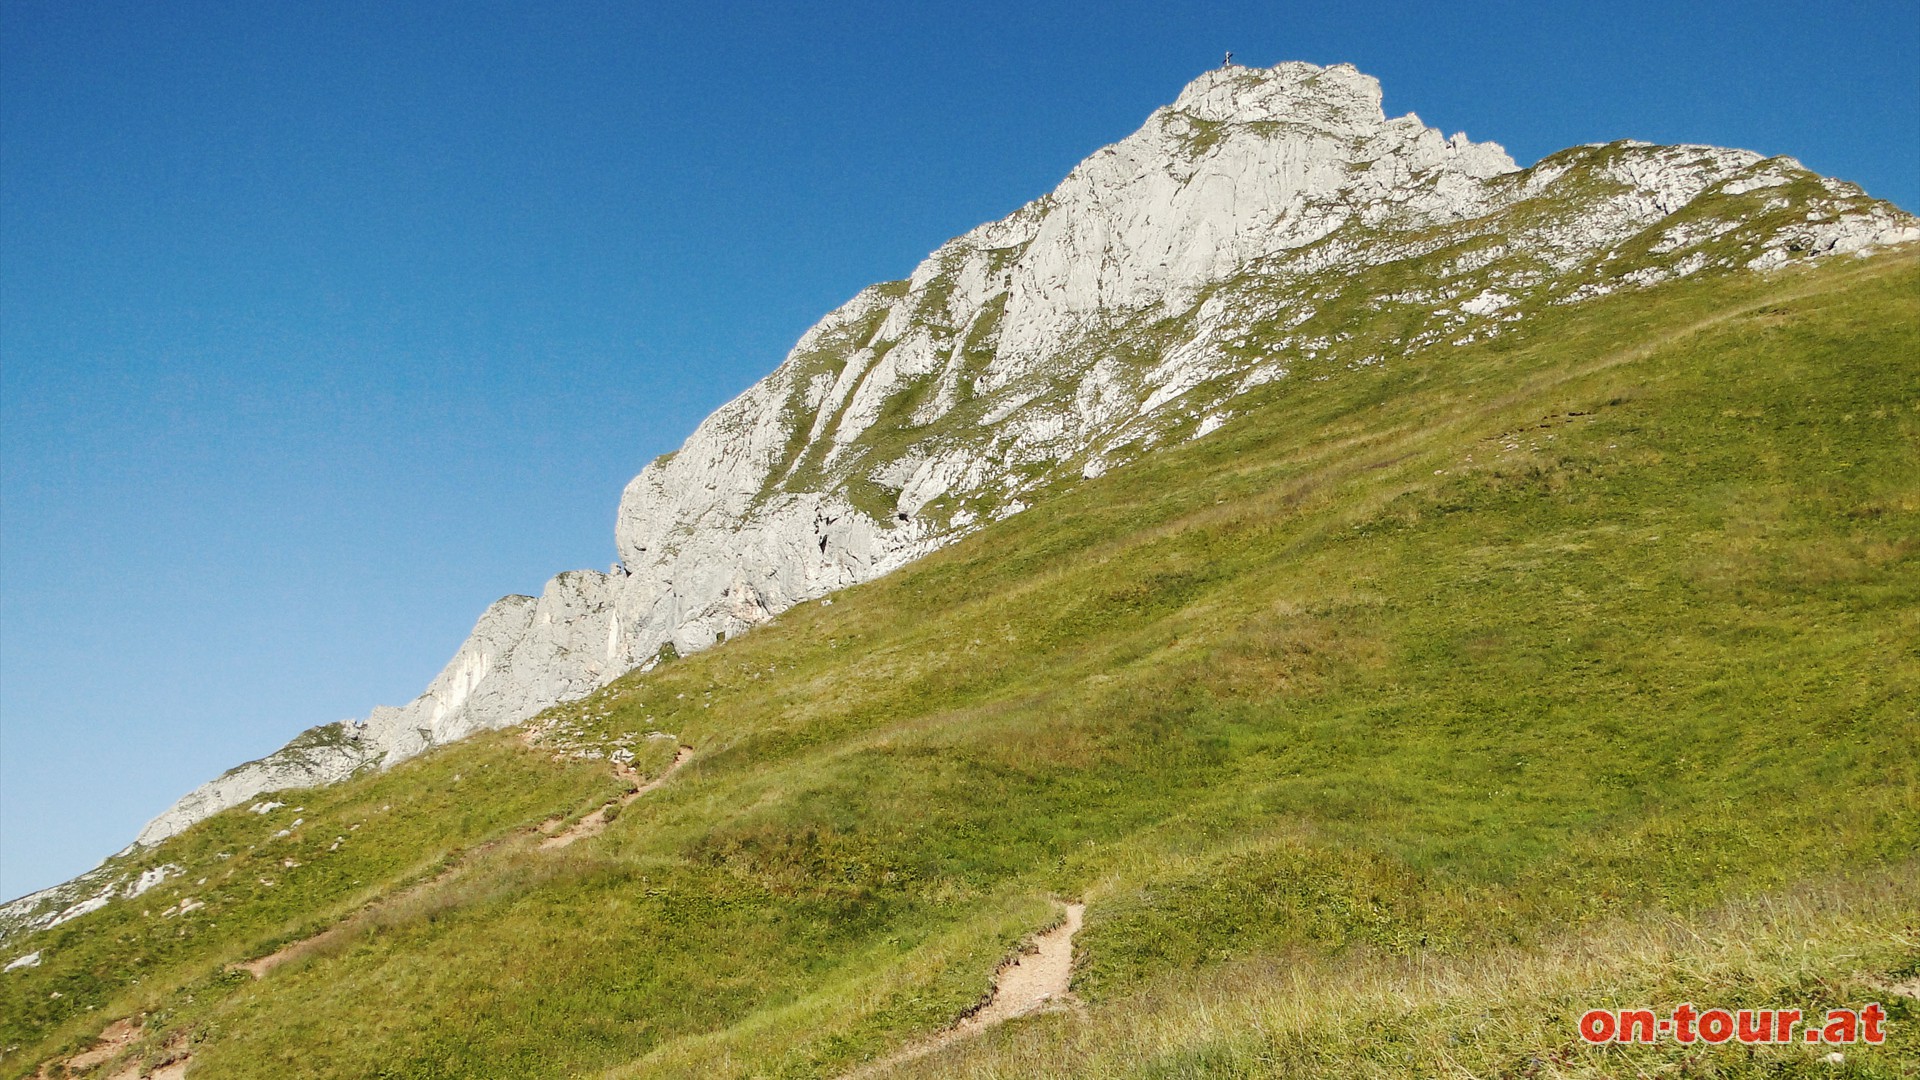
(1165, 275)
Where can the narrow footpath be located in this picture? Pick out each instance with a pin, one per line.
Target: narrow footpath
(1036, 979)
(595, 822)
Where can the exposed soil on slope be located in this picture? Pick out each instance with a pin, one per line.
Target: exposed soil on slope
(595, 822)
(118, 1037)
(1035, 980)
(173, 1067)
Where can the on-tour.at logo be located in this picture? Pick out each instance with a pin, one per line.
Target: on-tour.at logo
(1686, 1025)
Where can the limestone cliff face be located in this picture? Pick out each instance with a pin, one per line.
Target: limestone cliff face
(1165, 276)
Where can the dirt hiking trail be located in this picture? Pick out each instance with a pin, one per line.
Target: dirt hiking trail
(114, 1041)
(587, 826)
(1035, 980)
(594, 823)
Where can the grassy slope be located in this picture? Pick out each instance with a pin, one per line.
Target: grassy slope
(1427, 699)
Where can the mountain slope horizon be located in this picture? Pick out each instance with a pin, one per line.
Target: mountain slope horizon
(924, 408)
(1489, 595)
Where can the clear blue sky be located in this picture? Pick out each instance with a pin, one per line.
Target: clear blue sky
(323, 325)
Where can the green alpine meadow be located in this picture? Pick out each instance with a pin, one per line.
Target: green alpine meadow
(1487, 665)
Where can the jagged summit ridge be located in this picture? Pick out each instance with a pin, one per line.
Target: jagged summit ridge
(1166, 275)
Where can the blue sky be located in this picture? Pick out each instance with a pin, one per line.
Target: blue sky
(322, 326)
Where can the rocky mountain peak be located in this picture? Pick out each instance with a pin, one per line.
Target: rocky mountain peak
(1338, 99)
(1269, 224)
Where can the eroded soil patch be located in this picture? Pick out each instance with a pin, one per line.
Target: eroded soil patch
(1036, 979)
(595, 822)
(114, 1042)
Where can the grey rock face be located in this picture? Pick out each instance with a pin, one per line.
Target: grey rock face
(1112, 315)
